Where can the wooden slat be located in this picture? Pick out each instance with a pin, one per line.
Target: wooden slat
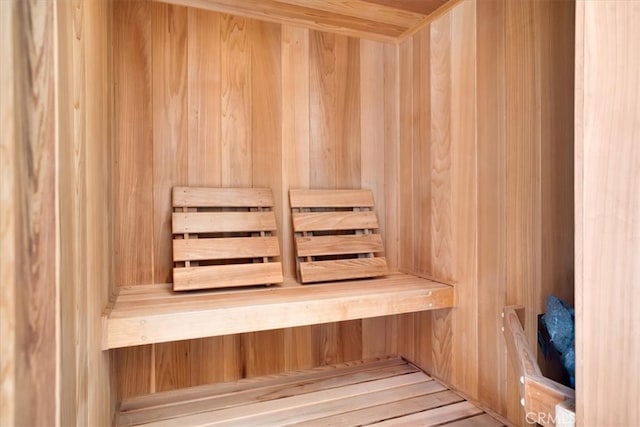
(331, 198)
(244, 414)
(436, 416)
(386, 391)
(376, 412)
(291, 385)
(320, 373)
(216, 313)
(222, 197)
(218, 276)
(168, 302)
(338, 245)
(483, 420)
(324, 221)
(323, 271)
(221, 222)
(225, 248)
(371, 396)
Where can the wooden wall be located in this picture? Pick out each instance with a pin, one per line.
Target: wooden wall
(203, 98)
(607, 213)
(28, 227)
(486, 155)
(463, 131)
(55, 266)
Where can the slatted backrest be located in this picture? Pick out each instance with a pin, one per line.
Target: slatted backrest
(224, 237)
(336, 235)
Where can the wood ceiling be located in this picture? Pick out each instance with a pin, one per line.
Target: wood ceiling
(383, 20)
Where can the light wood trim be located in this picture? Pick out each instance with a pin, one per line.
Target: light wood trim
(324, 221)
(222, 222)
(442, 10)
(155, 314)
(202, 197)
(281, 13)
(364, 9)
(540, 394)
(220, 276)
(331, 198)
(338, 245)
(607, 208)
(10, 233)
(343, 269)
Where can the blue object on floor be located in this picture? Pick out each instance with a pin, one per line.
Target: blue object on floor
(559, 320)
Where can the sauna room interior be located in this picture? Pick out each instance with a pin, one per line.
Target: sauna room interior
(497, 140)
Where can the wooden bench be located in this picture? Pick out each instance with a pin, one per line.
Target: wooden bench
(337, 241)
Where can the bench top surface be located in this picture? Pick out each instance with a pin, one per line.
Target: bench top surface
(146, 314)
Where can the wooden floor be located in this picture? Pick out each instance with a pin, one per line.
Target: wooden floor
(389, 392)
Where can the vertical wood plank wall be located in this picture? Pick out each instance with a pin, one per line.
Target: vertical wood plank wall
(463, 132)
(28, 230)
(495, 212)
(84, 131)
(203, 98)
(607, 213)
(56, 269)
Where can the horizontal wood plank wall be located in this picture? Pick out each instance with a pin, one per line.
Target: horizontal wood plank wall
(499, 116)
(209, 99)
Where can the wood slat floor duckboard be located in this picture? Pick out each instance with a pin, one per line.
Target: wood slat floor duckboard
(382, 392)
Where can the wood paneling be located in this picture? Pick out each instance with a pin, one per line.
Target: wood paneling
(467, 176)
(499, 158)
(464, 200)
(607, 213)
(29, 218)
(55, 213)
(491, 104)
(170, 123)
(262, 105)
(381, 20)
(95, 370)
(9, 238)
(133, 124)
(203, 93)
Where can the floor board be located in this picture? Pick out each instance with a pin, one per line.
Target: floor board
(383, 392)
